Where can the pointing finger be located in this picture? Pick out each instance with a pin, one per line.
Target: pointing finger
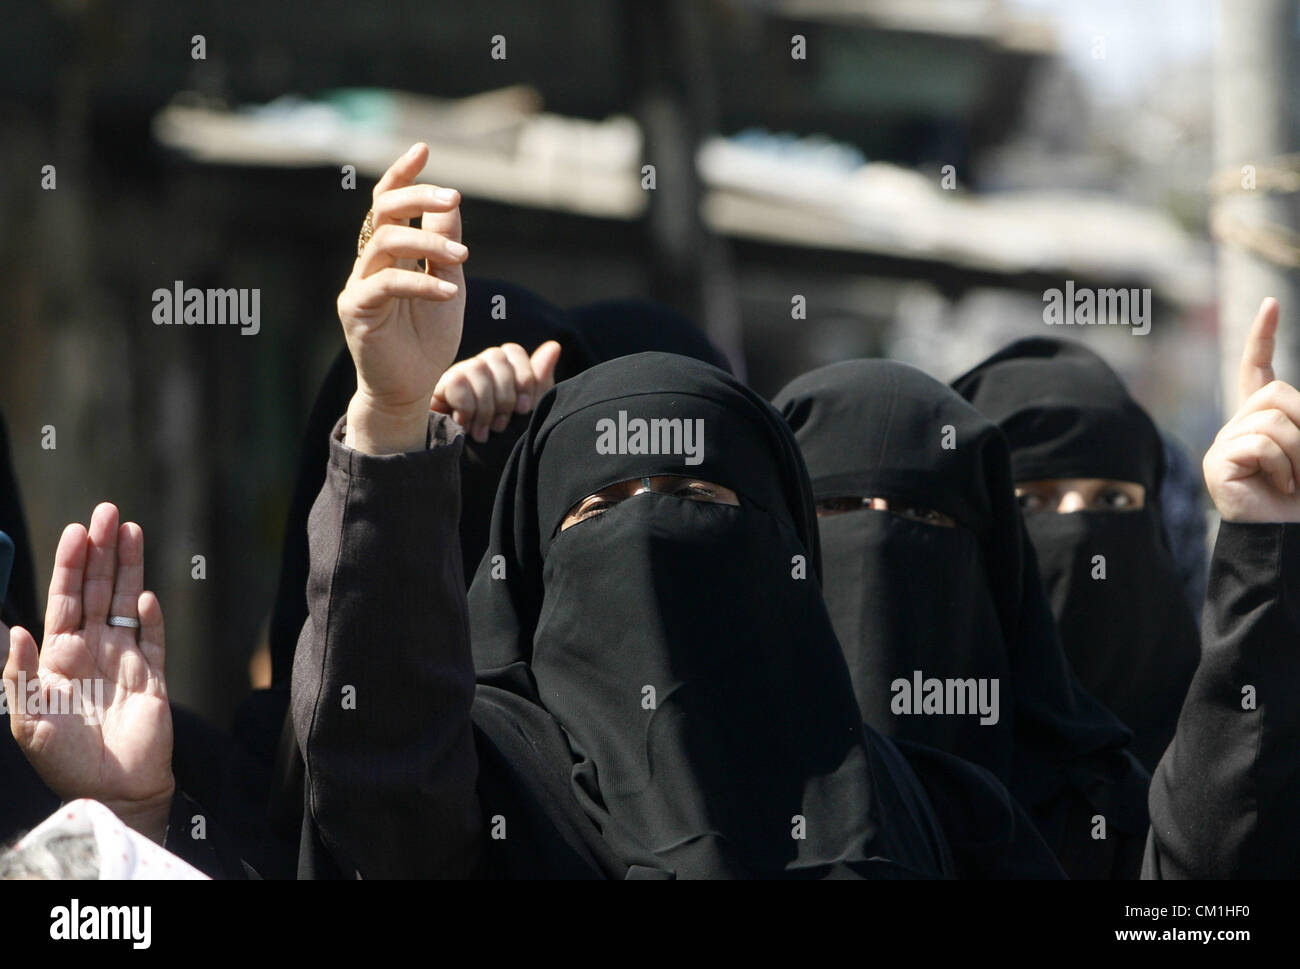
(403, 171)
(1257, 356)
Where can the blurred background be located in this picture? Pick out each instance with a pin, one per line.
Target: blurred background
(830, 180)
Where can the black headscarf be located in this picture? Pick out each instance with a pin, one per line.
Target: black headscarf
(618, 327)
(684, 647)
(1129, 635)
(951, 602)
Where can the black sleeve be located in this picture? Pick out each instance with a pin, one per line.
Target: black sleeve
(194, 838)
(383, 677)
(1223, 798)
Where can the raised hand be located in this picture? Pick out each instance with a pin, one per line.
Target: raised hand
(90, 711)
(403, 323)
(482, 392)
(1252, 467)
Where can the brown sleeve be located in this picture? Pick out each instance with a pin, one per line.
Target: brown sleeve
(383, 677)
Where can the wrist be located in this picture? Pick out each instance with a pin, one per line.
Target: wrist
(148, 816)
(373, 429)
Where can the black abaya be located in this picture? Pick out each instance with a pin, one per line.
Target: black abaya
(1224, 796)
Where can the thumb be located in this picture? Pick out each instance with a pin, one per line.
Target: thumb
(544, 361)
(438, 401)
(1257, 356)
(23, 660)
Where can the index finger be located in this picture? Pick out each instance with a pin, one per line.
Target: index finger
(403, 171)
(63, 607)
(1257, 356)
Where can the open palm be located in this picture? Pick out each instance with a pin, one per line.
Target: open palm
(90, 710)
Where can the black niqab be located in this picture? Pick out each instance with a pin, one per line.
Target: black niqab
(1111, 579)
(683, 647)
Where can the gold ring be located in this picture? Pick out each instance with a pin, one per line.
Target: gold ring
(367, 230)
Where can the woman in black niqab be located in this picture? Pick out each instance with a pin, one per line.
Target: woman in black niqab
(1127, 630)
(957, 601)
(683, 646)
(496, 312)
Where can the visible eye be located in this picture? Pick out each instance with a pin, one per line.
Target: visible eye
(591, 508)
(1030, 503)
(927, 515)
(1115, 499)
(838, 506)
(696, 491)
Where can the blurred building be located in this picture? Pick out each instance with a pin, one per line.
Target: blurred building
(832, 179)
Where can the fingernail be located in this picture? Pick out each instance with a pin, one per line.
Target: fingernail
(481, 434)
(447, 196)
(523, 403)
(501, 423)
(414, 149)
(451, 289)
(456, 250)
